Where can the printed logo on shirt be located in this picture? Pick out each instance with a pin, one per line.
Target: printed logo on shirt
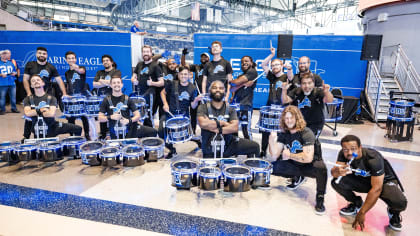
(221, 118)
(278, 84)
(144, 71)
(107, 77)
(184, 96)
(200, 73)
(119, 107)
(296, 146)
(75, 77)
(42, 105)
(44, 73)
(218, 68)
(304, 103)
(168, 77)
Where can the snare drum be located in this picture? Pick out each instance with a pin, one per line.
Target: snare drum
(110, 156)
(236, 106)
(92, 105)
(6, 151)
(74, 105)
(184, 174)
(227, 162)
(133, 155)
(153, 147)
(206, 97)
(89, 152)
(141, 105)
(50, 151)
(334, 110)
(401, 110)
(178, 129)
(237, 178)
(25, 152)
(209, 178)
(71, 145)
(260, 170)
(270, 118)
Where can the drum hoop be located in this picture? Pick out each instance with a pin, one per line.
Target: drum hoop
(19, 148)
(96, 151)
(214, 174)
(79, 140)
(336, 101)
(132, 154)
(237, 176)
(258, 169)
(148, 147)
(183, 170)
(50, 146)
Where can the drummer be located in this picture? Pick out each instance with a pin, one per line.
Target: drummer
(214, 118)
(115, 109)
(294, 154)
(304, 65)
(276, 78)
(177, 97)
(40, 104)
(242, 89)
(76, 84)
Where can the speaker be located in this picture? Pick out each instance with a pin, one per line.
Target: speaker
(371, 47)
(285, 44)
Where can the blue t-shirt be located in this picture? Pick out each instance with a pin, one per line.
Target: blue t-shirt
(134, 29)
(7, 68)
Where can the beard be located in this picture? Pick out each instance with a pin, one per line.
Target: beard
(146, 57)
(217, 97)
(41, 59)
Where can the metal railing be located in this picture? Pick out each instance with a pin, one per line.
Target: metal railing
(374, 88)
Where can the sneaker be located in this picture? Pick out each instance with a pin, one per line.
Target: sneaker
(296, 182)
(171, 154)
(351, 209)
(262, 154)
(319, 207)
(15, 111)
(395, 221)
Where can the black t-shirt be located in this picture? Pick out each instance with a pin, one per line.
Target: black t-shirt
(244, 95)
(75, 81)
(311, 106)
(372, 162)
(169, 75)
(296, 80)
(145, 72)
(40, 102)
(47, 72)
(274, 94)
(118, 104)
(106, 75)
(186, 94)
(295, 142)
(198, 71)
(217, 70)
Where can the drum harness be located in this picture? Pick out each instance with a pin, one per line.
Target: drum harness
(40, 127)
(218, 142)
(118, 128)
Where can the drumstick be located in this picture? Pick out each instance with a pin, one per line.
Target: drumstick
(271, 44)
(171, 114)
(259, 76)
(196, 85)
(357, 171)
(337, 181)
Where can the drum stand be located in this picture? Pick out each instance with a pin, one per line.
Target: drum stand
(395, 130)
(40, 128)
(218, 145)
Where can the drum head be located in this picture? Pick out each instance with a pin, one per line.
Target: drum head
(109, 152)
(227, 161)
(25, 147)
(73, 140)
(94, 99)
(7, 145)
(258, 164)
(177, 122)
(133, 149)
(210, 172)
(50, 145)
(92, 146)
(184, 165)
(237, 171)
(152, 142)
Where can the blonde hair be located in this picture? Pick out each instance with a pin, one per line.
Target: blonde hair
(300, 121)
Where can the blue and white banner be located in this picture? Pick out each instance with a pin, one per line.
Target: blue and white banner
(335, 58)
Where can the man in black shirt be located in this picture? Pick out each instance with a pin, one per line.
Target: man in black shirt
(216, 117)
(304, 68)
(217, 69)
(294, 154)
(146, 77)
(373, 175)
(116, 108)
(276, 77)
(177, 97)
(76, 84)
(47, 72)
(101, 83)
(42, 105)
(243, 92)
(309, 100)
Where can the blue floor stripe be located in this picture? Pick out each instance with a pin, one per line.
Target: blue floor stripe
(124, 214)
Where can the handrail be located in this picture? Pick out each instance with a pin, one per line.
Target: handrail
(374, 88)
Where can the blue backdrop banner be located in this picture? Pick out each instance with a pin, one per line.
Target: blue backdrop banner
(335, 58)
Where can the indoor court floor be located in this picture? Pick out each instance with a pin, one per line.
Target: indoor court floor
(69, 198)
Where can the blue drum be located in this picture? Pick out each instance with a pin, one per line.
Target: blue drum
(184, 174)
(133, 155)
(89, 152)
(74, 106)
(260, 170)
(153, 147)
(227, 162)
(236, 106)
(209, 178)
(110, 156)
(401, 110)
(71, 145)
(334, 110)
(92, 105)
(270, 117)
(141, 105)
(237, 178)
(6, 151)
(25, 152)
(178, 129)
(50, 151)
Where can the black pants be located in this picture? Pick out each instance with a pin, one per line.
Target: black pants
(193, 113)
(85, 122)
(162, 133)
(316, 169)
(103, 129)
(27, 129)
(239, 146)
(244, 117)
(136, 131)
(62, 128)
(316, 127)
(391, 193)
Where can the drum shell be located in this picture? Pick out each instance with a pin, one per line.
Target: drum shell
(334, 110)
(237, 182)
(91, 159)
(90, 156)
(207, 181)
(47, 154)
(180, 133)
(74, 106)
(260, 175)
(72, 148)
(131, 161)
(110, 158)
(187, 180)
(25, 155)
(269, 120)
(153, 153)
(401, 109)
(6, 154)
(92, 106)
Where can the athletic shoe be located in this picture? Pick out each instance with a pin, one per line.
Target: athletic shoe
(15, 111)
(394, 221)
(262, 154)
(319, 207)
(352, 208)
(171, 154)
(296, 182)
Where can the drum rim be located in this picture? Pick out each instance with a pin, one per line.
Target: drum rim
(111, 154)
(336, 101)
(147, 147)
(50, 146)
(242, 176)
(133, 154)
(96, 151)
(209, 175)
(258, 168)
(175, 169)
(16, 148)
(67, 142)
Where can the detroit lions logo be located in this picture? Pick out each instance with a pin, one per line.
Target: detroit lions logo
(200, 73)
(278, 84)
(144, 71)
(296, 146)
(119, 107)
(304, 103)
(168, 77)
(107, 77)
(184, 95)
(42, 104)
(44, 73)
(218, 68)
(75, 77)
(221, 118)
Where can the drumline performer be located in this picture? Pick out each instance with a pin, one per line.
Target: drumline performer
(294, 154)
(177, 97)
(115, 110)
(304, 65)
(218, 118)
(41, 108)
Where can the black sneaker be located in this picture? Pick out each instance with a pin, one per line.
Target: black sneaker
(262, 154)
(296, 182)
(394, 221)
(319, 207)
(15, 111)
(171, 154)
(351, 209)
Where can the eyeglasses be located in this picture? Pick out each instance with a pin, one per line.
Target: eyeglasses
(275, 64)
(352, 149)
